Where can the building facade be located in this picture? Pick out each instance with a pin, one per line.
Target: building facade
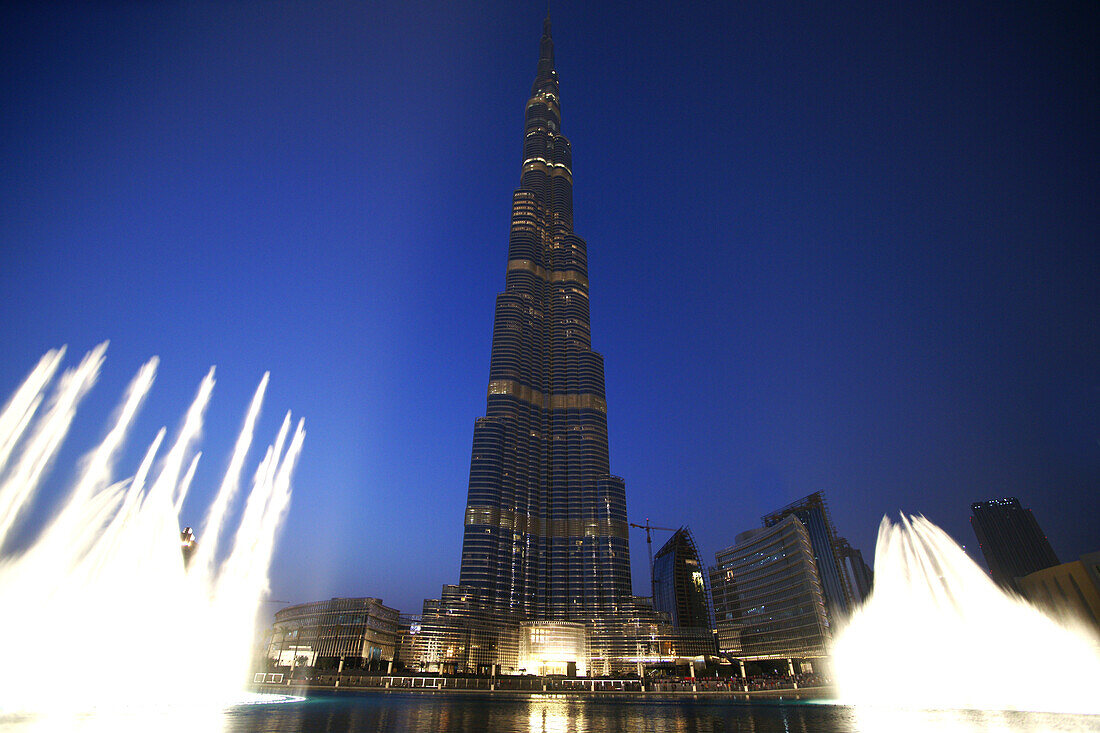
(814, 515)
(339, 632)
(1070, 590)
(858, 574)
(679, 586)
(768, 601)
(545, 532)
(1012, 542)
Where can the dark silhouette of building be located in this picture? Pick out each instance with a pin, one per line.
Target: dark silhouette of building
(1011, 540)
(814, 515)
(679, 586)
(545, 536)
(860, 577)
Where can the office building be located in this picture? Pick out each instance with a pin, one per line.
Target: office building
(814, 515)
(344, 633)
(857, 573)
(768, 601)
(1011, 541)
(1070, 590)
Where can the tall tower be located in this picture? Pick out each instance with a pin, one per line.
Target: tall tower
(545, 529)
(545, 575)
(1011, 540)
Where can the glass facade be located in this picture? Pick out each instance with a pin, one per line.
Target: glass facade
(350, 629)
(545, 530)
(1011, 540)
(679, 586)
(768, 602)
(553, 647)
(460, 633)
(814, 515)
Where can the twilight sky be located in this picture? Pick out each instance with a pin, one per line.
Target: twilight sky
(851, 247)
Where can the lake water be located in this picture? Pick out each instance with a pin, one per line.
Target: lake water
(433, 713)
(382, 712)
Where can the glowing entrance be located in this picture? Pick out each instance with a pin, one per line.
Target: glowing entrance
(553, 647)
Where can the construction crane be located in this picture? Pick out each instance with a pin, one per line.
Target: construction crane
(649, 545)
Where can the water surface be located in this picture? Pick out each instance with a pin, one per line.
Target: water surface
(416, 713)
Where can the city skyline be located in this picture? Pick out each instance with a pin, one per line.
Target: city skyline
(839, 250)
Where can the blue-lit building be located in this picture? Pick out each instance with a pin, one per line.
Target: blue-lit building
(545, 549)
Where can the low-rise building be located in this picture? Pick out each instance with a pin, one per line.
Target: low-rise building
(339, 632)
(1071, 589)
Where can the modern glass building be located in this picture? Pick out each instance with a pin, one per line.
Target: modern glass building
(679, 587)
(768, 601)
(325, 633)
(461, 633)
(1011, 540)
(814, 515)
(545, 533)
(546, 529)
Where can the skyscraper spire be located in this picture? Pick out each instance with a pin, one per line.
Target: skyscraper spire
(545, 74)
(545, 542)
(546, 533)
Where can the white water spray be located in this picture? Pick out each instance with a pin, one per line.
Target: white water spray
(100, 611)
(937, 633)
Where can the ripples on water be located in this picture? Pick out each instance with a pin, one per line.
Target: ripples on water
(418, 713)
(442, 713)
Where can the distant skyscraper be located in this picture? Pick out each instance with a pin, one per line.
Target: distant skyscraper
(1011, 540)
(545, 549)
(859, 576)
(814, 515)
(679, 588)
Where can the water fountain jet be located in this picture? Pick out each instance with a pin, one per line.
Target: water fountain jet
(937, 633)
(103, 586)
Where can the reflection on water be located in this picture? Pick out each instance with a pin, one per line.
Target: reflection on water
(428, 713)
(538, 713)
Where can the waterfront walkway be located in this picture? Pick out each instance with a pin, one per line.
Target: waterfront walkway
(731, 688)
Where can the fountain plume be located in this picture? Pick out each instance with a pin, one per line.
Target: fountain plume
(938, 633)
(109, 562)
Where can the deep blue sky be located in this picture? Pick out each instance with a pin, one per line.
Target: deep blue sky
(850, 247)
